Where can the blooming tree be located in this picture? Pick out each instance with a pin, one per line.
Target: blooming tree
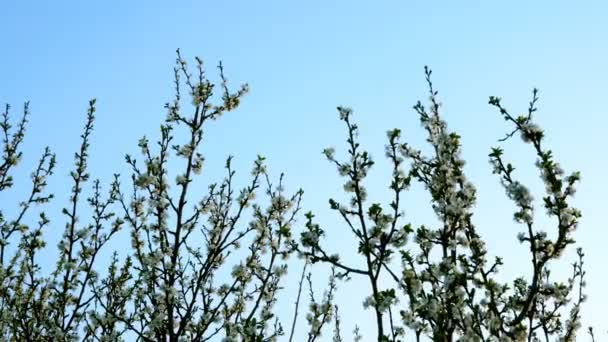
(443, 285)
(202, 265)
(209, 265)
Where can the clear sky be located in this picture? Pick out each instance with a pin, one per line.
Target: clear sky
(302, 59)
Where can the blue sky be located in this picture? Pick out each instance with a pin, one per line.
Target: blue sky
(302, 59)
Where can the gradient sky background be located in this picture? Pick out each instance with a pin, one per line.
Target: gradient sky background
(304, 58)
